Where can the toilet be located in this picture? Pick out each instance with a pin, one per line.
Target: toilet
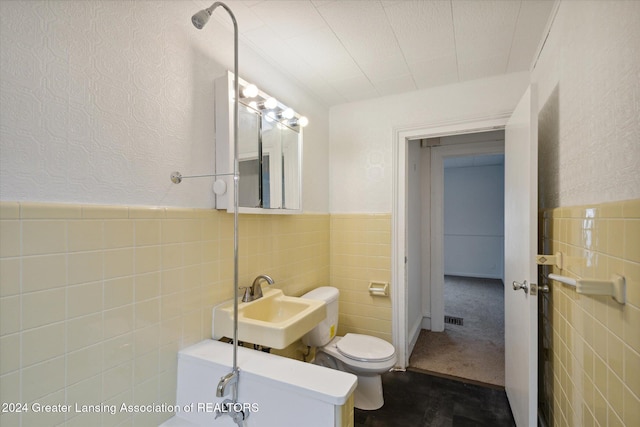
(365, 356)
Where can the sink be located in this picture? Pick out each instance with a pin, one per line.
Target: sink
(275, 320)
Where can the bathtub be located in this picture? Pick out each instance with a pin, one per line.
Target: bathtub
(276, 391)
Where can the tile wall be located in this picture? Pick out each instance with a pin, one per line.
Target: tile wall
(95, 301)
(360, 253)
(592, 372)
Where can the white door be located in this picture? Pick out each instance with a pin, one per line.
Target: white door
(521, 242)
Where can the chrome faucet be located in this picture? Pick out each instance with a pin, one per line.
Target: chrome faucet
(230, 379)
(254, 291)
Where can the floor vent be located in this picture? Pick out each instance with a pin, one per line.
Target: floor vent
(453, 320)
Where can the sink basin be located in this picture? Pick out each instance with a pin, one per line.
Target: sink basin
(275, 320)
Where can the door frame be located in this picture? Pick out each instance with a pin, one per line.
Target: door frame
(399, 295)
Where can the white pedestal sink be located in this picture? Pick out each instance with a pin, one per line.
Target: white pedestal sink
(275, 320)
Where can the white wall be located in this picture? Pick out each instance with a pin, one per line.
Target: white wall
(101, 101)
(474, 221)
(588, 77)
(414, 238)
(361, 133)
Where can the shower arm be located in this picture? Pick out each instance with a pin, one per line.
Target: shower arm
(199, 20)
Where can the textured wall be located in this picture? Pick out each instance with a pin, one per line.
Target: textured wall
(361, 150)
(101, 100)
(589, 99)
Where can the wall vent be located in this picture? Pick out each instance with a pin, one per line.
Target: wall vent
(453, 320)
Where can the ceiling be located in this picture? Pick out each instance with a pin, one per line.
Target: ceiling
(350, 50)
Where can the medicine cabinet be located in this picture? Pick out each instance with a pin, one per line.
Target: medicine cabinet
(269, 151)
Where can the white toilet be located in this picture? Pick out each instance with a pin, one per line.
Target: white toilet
(365, 356)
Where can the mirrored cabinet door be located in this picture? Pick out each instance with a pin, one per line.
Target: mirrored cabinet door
(271, 164)
(269, 152)
(249, 158)
(291, 162)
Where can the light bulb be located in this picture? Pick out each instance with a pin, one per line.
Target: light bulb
(288, 113)
(303, 121)
(250, 91)
(271, 103)
(271, 116)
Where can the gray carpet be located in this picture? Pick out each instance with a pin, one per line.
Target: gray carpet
(474, 350)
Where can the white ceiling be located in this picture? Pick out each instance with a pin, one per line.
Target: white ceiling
(350, 50)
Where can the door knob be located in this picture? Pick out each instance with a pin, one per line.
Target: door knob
(517, 286)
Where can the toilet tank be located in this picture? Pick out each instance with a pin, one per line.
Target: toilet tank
(326, 330)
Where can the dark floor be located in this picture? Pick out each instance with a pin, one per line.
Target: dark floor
(415, 399)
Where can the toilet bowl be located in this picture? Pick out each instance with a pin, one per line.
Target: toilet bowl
(365, 356)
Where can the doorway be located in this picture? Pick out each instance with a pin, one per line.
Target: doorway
(406, 324)
(521, 155)
(471, 343)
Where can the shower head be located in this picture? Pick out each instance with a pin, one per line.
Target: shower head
(201, 18)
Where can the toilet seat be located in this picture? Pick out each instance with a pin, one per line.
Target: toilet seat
(365, 348)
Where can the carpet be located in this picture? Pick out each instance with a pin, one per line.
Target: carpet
(475, 350)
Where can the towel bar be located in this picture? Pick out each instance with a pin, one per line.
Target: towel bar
(616, 287)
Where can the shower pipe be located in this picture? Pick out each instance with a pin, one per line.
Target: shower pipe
(199, 20)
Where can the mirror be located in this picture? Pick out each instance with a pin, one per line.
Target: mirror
(248, 158)
(271, 167)
(291, 179)
(269, 151)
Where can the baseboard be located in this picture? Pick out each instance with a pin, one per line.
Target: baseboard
(426, 322)
(413, 334)
(474, 276)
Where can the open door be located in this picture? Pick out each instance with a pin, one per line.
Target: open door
(521, 242)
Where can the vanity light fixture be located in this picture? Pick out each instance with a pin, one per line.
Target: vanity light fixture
(301, 121)
(273, 111)
(271, 116)
(288, 113)
(250, 91)
(270, 103)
